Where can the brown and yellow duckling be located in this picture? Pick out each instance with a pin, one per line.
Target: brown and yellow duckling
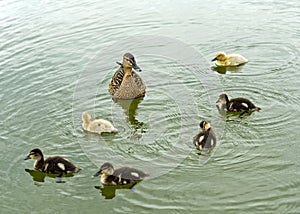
(229, 60)
(126, 83)
(238, 104)
(205, 139)
(52, 165)
(96, 126)
(121, 176)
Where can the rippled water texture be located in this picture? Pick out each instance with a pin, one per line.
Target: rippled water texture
(57, 58)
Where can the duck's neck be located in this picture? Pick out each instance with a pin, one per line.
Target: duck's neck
(104, 178)
(38, 164)
(128, 72)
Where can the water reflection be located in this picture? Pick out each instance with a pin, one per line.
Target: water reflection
(223, 70)
(40, 176)
(130, 107)
(109, 192)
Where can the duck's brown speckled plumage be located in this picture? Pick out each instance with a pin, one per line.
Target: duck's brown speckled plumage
(126, 83)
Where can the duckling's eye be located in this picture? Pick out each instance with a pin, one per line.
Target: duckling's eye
(129, 61)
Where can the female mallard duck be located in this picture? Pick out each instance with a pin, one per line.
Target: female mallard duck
(121, 176)
(52, 165)
(206, 138)
(236, 104)
(229, 60)
(126, 84)
(96, 126)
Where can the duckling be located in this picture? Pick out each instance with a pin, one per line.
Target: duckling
(236, 104)
(206, 138)
(52, 165)
(121, 176)
(96, 126)
(229, 60)
(127, 84)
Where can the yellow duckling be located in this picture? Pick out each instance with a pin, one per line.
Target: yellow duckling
(96, 126)
(229, 60)
(127, 84)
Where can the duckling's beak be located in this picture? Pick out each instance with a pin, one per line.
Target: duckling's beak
(136, 67)
(214, 59)
(97, 173)
(27, 158)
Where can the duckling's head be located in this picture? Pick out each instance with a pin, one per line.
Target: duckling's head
(35, 154)
(223, 99)
(86, 117)
(220, 56)
(129, 62)
(204, 125)
(106, 169)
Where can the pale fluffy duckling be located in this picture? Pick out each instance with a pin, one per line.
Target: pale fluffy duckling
(52, 165)
(229, 60)
(205, 139)
(121, 176)
(96, 126)
(126, 83)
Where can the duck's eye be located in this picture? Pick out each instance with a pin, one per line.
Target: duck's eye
(129, 61)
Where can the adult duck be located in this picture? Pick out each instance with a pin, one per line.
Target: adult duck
(126, 83)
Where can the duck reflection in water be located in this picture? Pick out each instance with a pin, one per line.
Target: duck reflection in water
(109, 192)
(130, 107)
(223, 70)
(39, 176)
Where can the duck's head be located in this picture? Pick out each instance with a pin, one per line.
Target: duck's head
(129, 62)
(220, 56)
(86, 117)
(35, 154)
(106, 169)
(223, 99)
(204, 125)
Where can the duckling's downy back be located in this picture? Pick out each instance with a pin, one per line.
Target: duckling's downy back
(96, 126)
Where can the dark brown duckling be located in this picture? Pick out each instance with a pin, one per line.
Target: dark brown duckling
(126, 83)
(121, 176)
(238, 104)
(52, 165)
(206, 138)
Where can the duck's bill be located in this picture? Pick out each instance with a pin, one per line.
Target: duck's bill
(119, 63)
(136, 67)
(97, 174)
(214, 59)
(27, 158)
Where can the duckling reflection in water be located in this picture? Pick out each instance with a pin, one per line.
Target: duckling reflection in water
(127, 84)
(96, 126)
(109, 191)
(238, 104)
(229, 60)
(52, 165)
(121, 176)
(205, 139)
